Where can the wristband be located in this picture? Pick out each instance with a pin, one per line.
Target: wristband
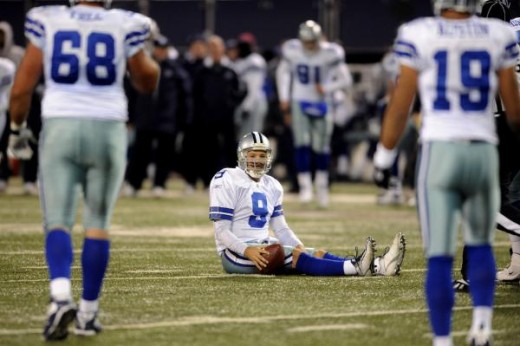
(384, 158)
(15, 127)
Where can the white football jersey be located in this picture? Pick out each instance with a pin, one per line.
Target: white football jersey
(308, 69)
(252, 70)
(85, 50)
(250, 205)
(515, 24)
(7, 72)
(457, 61)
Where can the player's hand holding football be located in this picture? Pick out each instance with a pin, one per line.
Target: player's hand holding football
(255, 254)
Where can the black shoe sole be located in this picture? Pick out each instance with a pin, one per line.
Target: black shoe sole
(61, 331)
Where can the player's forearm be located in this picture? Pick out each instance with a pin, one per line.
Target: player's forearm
(227, 238)
(393, 127)
(508, 89)
(19, 106)
(283, 80)
(343, 80)
(144, 72)
(284, 233)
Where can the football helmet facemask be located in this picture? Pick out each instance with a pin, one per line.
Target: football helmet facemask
(254, 141)
(106, 2)
(469, 6)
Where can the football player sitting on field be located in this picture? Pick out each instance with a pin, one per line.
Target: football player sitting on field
(245, 202)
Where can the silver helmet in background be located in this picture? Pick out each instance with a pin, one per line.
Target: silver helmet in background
(469, 6)
(106, 2)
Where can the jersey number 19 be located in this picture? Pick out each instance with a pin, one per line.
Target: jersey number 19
(477, 81)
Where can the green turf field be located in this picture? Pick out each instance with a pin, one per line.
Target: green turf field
(165, 284)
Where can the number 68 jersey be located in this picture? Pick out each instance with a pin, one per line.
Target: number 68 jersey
(457, 62)
(85, 49)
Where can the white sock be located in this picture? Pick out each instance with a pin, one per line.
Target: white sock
(322, 179)
(349, 268)
(442, 341)
(88, 308)
(305, 180)
(61, 289)
(515, 243)
(482, 317)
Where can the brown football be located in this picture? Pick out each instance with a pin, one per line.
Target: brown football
(276, 258)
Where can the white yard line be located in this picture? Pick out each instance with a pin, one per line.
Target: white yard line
(213, 320)
(319, 328)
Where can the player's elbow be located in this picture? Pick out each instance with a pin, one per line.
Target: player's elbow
(146, 84)
(513, 117)
(144, 73)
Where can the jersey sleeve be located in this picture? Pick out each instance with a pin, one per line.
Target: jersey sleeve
(221, 191)
(278, 192)
(35, 26)
(283, 71)
(337, 55)
(405, 48)
(137, 32)
(510, 53)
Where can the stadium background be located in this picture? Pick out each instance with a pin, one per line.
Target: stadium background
(365, 28)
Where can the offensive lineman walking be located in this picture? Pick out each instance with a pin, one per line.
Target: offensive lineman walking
(84, 52)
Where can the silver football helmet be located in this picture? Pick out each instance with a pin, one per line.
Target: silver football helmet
(106, 2)
(309, 31)
(258, 142)
(470, 6)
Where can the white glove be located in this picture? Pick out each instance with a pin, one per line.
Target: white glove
(19, 140)
(383, 161)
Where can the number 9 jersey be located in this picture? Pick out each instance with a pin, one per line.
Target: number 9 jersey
(457, 61)
(85, 49)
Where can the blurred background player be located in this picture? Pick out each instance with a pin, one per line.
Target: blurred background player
(245, 203)
(251, 68)
(27, 166)
(7, 72)
(309, 72)
(84, 51)
(458, 62)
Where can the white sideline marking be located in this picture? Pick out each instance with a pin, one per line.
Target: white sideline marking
(349, 326)
(460, 333)
(210, 320)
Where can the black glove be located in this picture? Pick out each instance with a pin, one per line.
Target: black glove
(382, 177)
(18, 146)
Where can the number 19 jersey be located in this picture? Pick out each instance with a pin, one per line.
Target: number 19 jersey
(85, 49)
(457, 62)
